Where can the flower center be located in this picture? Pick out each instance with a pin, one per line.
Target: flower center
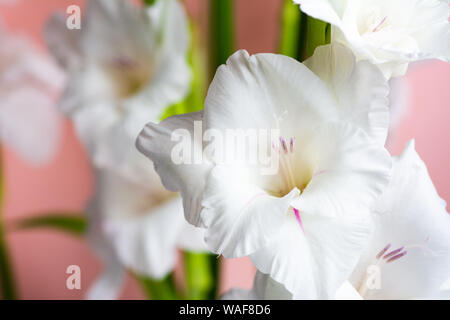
(128, 76)
(286, 161)
(293, 170)
(382, 258)
(392, 255)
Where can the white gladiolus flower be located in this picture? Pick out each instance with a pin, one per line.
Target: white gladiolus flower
(410, 248)
(408, 255)
(126, 66)
(306, 223)
(136, 227)
(388, 33)
(29, 120)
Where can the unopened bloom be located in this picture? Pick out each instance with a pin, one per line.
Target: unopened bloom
(388, 33)
(126, 66)
(306, 223)
(29, 82)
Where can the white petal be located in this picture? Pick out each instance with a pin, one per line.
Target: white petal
(266, 91)
(107, 27)
(63, 43)
(188, 177)
(240, 218)
(432, 29)
(350, 172)
(327, 10)
(388, 33)
(30, 123)
(110, 282)
(398, 100)
(169, 18)
(108, 285)
(347, 292)
(264, 288)
(169, 85)
(192, 239)
(314, 263)
(141, 224)
(359, 88)
(409, 214)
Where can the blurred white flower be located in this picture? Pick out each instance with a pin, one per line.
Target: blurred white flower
(126, 65)
(411, 243)
(265, 288)
(306, 224)
(388, 33)
(137, 227)
(29, 83)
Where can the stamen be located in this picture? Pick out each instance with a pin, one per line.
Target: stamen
(292, 145)
(283, 145)
(392, 253)
(297, 216)
(382, 252)
(379, 24)
(286, 162)
(397, 257)
(124, 62)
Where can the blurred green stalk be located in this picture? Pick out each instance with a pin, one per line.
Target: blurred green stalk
(163, 289)
(6, 274)
(148, 2)
(221, 33)
(293, 31)
(317, 34)
(301, 34)
(201, 272)
(202, 269)
(194, 100)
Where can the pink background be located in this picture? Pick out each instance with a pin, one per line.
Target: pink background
(40, 257)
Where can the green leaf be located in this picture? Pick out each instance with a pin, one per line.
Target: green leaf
(221, 33)
(163, 289)
(72, 223)
(201, 274)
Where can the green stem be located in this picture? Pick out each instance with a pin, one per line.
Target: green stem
(221, 32)
(317, 34)
(6, 274)
(148, 2)
(201, 272)
(290, 29)
(194, 100)
(163, 289)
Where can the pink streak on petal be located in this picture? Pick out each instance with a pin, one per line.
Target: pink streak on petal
(297, 216)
